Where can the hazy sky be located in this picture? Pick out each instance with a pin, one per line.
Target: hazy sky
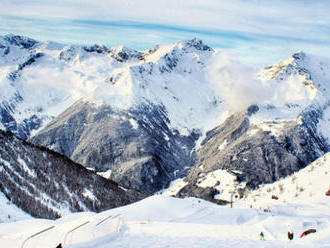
(258, 31)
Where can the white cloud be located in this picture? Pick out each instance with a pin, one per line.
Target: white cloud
(240, 87)
(237, 83)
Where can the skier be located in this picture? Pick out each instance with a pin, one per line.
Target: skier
(290, 232)
(59, 245)
(262, 236)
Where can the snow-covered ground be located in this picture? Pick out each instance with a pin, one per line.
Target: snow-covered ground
(164, 221)
(9, 212)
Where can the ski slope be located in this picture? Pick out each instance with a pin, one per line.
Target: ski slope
(162, 221)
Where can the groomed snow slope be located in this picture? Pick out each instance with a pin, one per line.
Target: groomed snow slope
(161, 221)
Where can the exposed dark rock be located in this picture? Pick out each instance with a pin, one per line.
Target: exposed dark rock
(198, 44)
(20, 41)
(101, 49)
(203, 193)
(124, 54)
(32, 59)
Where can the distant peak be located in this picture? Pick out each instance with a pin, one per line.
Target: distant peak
(20, 41)
(96, 48)
(300, 55)
(123, 53)
(196, 43)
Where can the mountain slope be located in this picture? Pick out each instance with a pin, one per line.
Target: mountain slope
(46, 184)
(137, 148)
(271, 140)
(306, 186)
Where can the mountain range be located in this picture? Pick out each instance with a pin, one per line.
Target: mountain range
(145, 118)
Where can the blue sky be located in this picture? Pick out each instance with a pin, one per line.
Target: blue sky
(256, 31)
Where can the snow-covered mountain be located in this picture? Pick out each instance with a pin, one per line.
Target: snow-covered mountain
(272, 139)
(46, 184)
(142, 111)
(40, 80)
(139, 117)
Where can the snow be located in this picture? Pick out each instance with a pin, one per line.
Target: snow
(164, 221)
(303, 187)
(134, 124)
(174, 187)
(50, 85)
(105, 174)
(25, 167)
(223, 145)
(9, 212)
(89, 194)
(161, 221)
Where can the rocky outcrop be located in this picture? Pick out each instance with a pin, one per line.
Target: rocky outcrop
(46, 184)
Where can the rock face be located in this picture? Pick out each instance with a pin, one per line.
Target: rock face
(137, 146)
(46, 184)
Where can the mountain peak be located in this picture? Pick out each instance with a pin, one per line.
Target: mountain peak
(196, 43)
(20, 41)
(123, 53)
(97, 48)
(300, 55)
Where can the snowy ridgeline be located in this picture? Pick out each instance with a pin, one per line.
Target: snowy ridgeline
(172, 75)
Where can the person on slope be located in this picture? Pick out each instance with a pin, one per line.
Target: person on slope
(262, 236)
(290, 232)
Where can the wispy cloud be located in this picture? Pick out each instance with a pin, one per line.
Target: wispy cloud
(252, 28)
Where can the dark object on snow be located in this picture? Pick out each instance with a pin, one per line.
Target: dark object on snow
(327, 193)
(312, 230)
(290, 235)
(59, 246)
(274, 197)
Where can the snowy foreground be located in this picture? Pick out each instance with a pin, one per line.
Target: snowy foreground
(161, 221)
(164, 221)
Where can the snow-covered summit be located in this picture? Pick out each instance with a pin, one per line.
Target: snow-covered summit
(20, 41)
(49, 77)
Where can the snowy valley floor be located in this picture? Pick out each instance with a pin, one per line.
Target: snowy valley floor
(161, 221)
